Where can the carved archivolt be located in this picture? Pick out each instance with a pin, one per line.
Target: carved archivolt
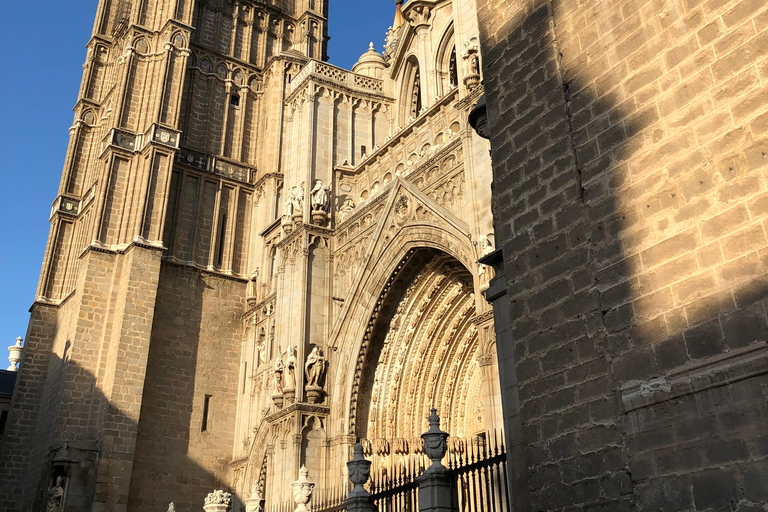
(426, 356)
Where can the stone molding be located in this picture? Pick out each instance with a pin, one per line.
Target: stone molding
(696, 377)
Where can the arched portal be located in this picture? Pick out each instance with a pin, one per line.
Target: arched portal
(425, 352)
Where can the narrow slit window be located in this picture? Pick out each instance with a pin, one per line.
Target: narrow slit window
(222, 238)
(3, 421)
(245, 376)
(234, 100)
(206, 410)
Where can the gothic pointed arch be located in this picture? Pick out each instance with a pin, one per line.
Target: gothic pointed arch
(411, 97)
(411, 222)
(445, 63)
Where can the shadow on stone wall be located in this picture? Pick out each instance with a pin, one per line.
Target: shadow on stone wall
(637, 316)
(172, 477)
(64, 402)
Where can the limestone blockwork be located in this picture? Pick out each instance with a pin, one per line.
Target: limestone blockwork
(628, 141)
(256, 259)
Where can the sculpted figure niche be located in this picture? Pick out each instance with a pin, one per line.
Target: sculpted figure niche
(314, 369)
(55, 496)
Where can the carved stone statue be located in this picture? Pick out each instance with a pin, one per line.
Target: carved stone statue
(171, 507)
(345, 209)
(314, 367)
(288, 205)
(486, 249)
(55, 496)
(277, 381)
(319, 197)
(298, 199)
(278, 372)
(474, 64)
(290, 370)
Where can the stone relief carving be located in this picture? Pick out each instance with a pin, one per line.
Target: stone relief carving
(302, 490)
(218, 497)
(346, 209)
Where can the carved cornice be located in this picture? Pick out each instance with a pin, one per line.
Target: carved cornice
(720, 370)
(297, 407)
(301, 229)
(194, 266)
(267, 176)
(469, 101)
(270, 298)
(483, 318)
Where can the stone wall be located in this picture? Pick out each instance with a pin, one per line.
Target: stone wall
(629, 152)
(194, 353)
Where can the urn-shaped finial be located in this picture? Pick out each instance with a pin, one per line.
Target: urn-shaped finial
(302, 490)
(435, 443)
(15, 355)
(359, 470)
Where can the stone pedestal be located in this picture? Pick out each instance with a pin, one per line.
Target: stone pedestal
(219, 507)
(290, 396)
(359, 504)
(287, 224)
(435, 494)
(319, 218)
(278, 399)
(314, 394)
(253, 505)
(298, 218)
(472, 81)
(359, 469)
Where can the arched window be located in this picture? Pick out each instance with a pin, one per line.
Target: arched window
(447, 76)
(411, 99)
(415, 98)
(452, 70)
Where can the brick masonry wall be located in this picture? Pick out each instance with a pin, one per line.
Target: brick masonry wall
(194, 352)
(629, 153)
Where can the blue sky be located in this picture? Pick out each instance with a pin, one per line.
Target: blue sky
(42, 67)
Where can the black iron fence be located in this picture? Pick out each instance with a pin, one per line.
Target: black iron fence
(477, 470)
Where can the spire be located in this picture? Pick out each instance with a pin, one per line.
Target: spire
(398, 14)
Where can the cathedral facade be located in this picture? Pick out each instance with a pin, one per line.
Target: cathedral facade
(256, 259)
